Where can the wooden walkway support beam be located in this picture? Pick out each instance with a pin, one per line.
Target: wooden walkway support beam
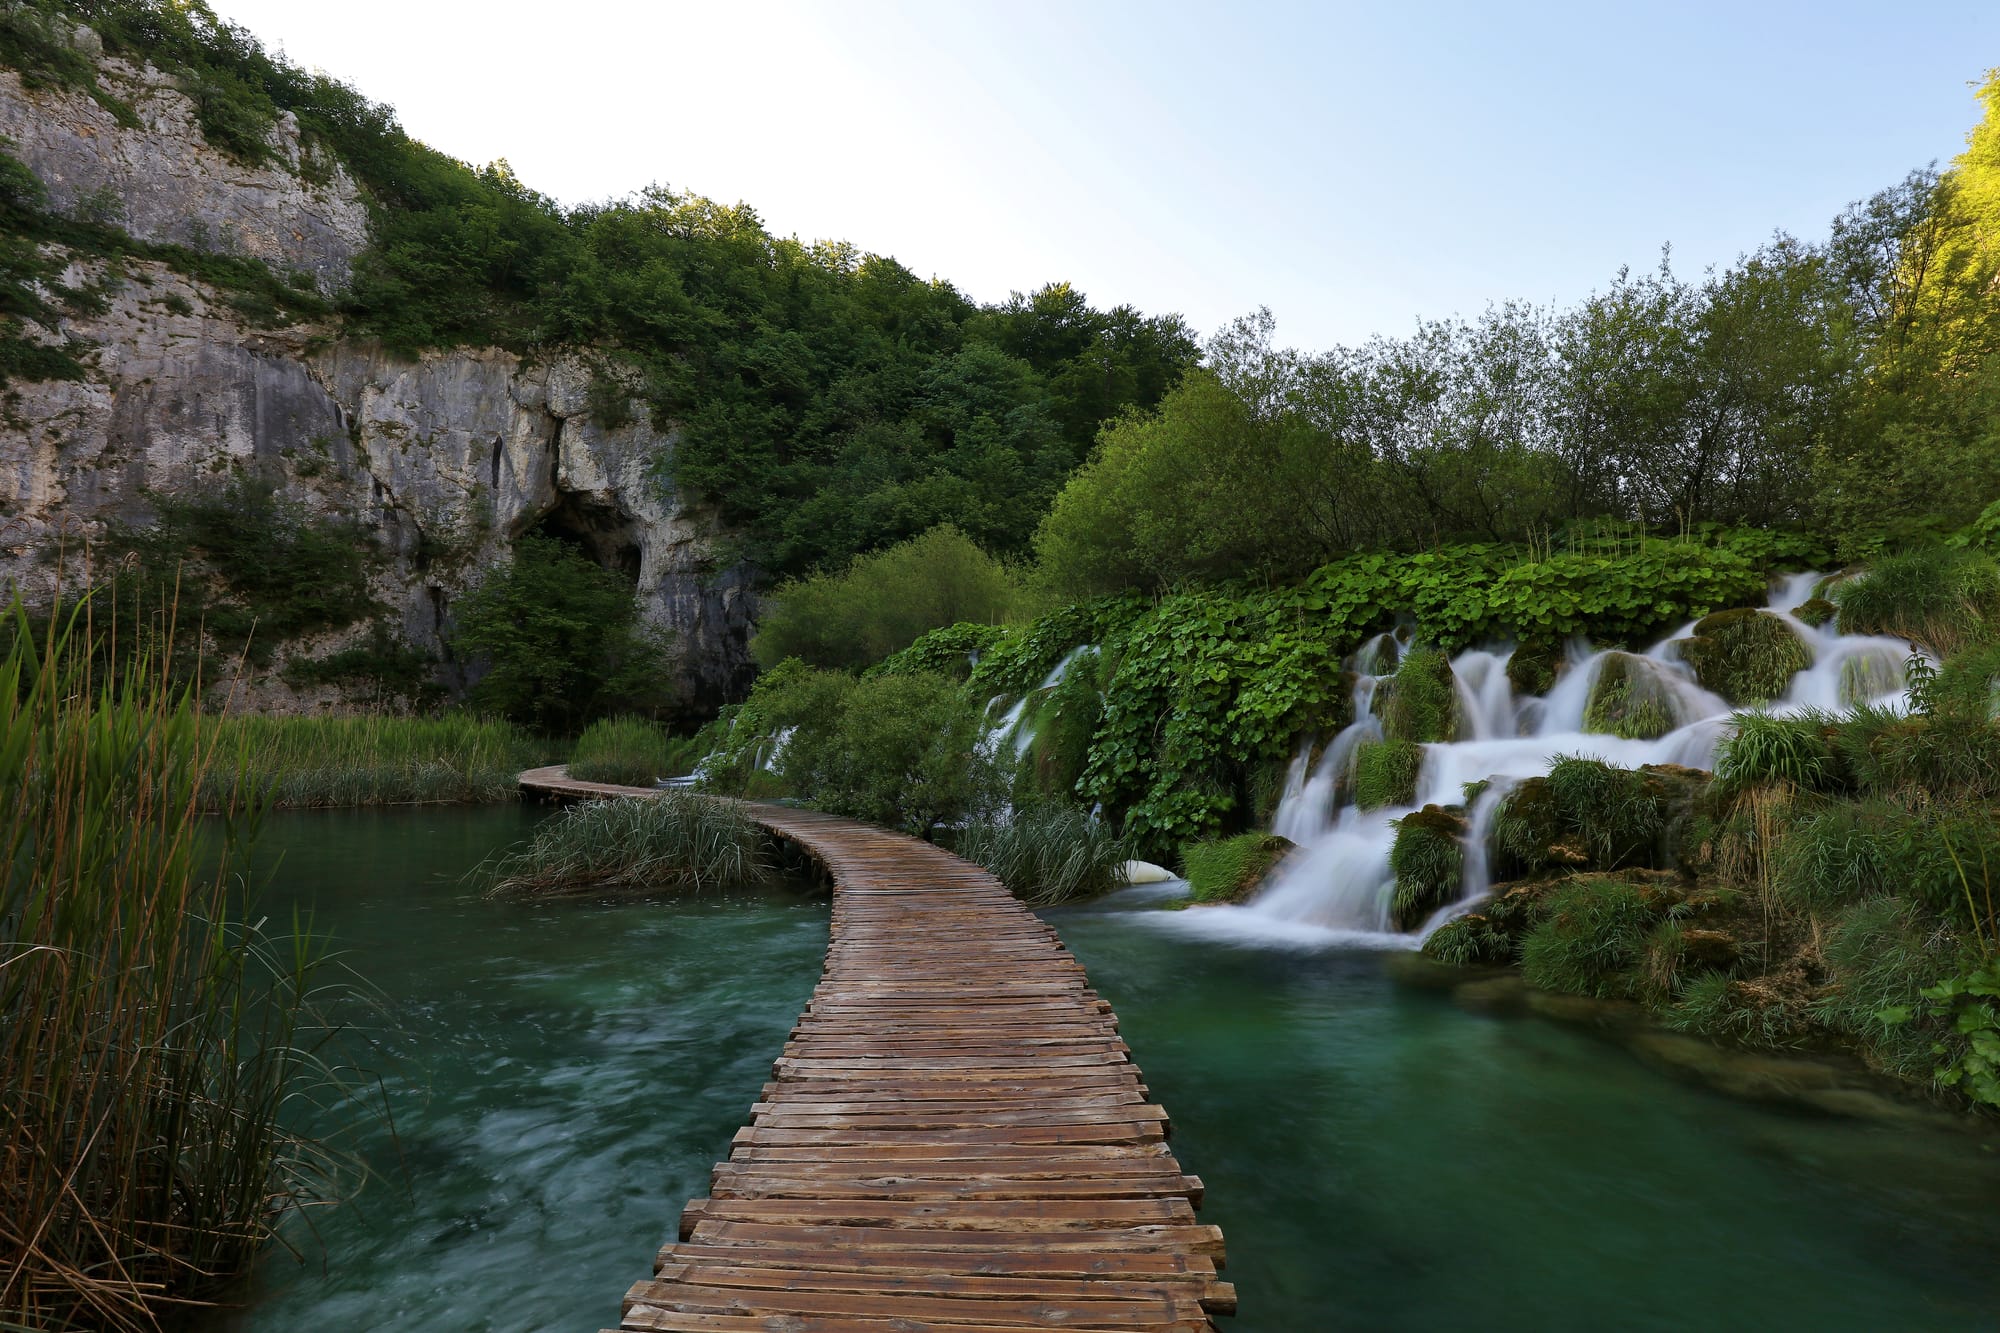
(954, 1138)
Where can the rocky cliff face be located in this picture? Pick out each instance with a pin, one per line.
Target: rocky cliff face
(446, 458)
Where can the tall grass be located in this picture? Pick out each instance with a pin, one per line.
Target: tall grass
(149, 1037)
(1947, 599)
(1047, 854)
(627, 751)
(675, 840)
(312, 762)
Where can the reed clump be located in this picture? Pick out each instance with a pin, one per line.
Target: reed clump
(673, 841)
(626, 751)
(324, 762)
(149, 1036)
(1047, 854)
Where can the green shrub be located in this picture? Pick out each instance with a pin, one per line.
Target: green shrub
(1385, 773)
(1591, 936)
(1226, 869)
(1428, 858)
(1420, 702)
(953, 650)
(1947, 599)
(673, 840)
(1747, 656)
(1942, 759)
(883, 603)
(561, 639)
(1628, 699)
(1047, 854)
(1946, 858)
(1967, 687)
(623, 751)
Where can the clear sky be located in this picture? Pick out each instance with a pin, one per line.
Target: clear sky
(1354, 167)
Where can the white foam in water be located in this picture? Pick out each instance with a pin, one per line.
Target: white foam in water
(1335, 890)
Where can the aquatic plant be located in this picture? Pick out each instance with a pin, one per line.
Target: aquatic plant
(1428, 858)
(150, 1036)
(1047, 854)
(624, 751)
(1225, 869)
(369, 759)
(1747, 656)
(672, 841)
(1945, 598)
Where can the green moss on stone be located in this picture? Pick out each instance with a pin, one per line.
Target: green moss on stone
(1629, 700)
(1420, 702)
(1534, 666)
(1815, 612)
(1223, 870)
(1468, 942)
(1385, 773)
(1747, 656)
(1429, 860)
(1590, 939)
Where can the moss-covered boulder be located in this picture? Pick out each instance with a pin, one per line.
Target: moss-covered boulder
(1420, 702)
(1528, 834)
(1815, 612)
(1469, 941)
(1535, 665)
(1224, 870)
(1629, 699)
(1591, 939)
(1428, 858)
(1747, 656)
(1385, 773)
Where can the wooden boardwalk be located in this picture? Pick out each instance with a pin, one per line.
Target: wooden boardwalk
(955, 1138)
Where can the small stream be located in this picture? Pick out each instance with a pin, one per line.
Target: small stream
(1379, 1157)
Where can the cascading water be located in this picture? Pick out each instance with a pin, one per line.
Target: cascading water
(1336, 888)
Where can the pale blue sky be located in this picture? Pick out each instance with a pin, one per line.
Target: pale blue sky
(1353, 167)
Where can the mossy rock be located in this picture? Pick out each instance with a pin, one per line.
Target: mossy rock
(1469, 941)
(1816, 612)
(1420, 702)
(1535, 666)
(1385, 773)
(1528, 834)
(1628, 699)
(1747, 656)
(1429, 860)
(1224, 870)
(1592, 936)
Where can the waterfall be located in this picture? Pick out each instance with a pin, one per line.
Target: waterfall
(1336, 888)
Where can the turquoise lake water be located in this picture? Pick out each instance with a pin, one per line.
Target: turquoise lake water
(562, 1076)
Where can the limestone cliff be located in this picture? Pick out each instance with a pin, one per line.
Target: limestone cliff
(446, 458)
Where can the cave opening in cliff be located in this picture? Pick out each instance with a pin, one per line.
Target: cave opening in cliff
(599, 530)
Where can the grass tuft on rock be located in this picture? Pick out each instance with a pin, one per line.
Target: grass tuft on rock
(1591, 937)
(1628, 699)
(1747, 656)
(1224, 870)
(1420, 702)
(1945, 598)
(1428, 858)
(1469, 941)
(1385, 773)
(675, 841)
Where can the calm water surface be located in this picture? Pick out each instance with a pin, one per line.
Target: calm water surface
(1379, 1157)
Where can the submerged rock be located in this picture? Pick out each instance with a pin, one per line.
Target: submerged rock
(1747, 656)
